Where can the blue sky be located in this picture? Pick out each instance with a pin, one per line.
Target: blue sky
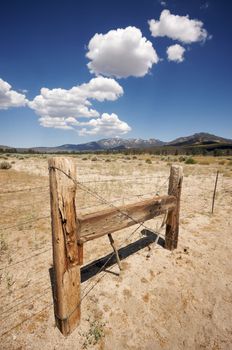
(43, 44)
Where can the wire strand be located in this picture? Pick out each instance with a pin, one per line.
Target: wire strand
(29, 257)
(26, 319)
(24, 189)
(24, 223)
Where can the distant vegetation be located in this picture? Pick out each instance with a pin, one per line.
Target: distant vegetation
(198, 144)
(215, 150)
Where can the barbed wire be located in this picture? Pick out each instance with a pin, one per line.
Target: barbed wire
(133, 179)
(26, 319)
(24, 205)
(111, 256)
(129, 197)
(25, 259)
(5, 306)
(31, 298)
(47, 289)
(27, 284)
(89, 287)
(24, 189)
(158, 234)
(24, 223)
(136, 178)
(104, 201)
(100, 198)
(94, 283)
(120, 199)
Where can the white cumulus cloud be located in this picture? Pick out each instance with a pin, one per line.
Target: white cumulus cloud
(55, 122)
(10, 98)
(65, 109)
(75, 102)
(176, 27)
(108, 124)
(176, 53)
(121, 53)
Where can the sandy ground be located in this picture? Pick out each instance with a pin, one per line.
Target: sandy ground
(161, 299)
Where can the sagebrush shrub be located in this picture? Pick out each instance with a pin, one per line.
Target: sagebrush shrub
(5, 165)
(190, 161)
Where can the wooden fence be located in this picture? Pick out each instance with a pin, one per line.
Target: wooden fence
(70, 231)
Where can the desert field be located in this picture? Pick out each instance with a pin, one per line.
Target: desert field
(161, 299)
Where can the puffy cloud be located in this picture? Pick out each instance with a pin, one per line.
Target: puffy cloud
(75, 102)
(65, 109)
(108, 124)
(176, 53)
(101, 89)
(121, 53)
(56, 122)
(176, 27)
(10, 98)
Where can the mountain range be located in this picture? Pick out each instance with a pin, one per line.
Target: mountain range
(197, 139)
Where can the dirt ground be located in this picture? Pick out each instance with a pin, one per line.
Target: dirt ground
(161, 299)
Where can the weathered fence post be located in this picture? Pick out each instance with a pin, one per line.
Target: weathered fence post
(172, 224)
(214, 192)
(67, 254)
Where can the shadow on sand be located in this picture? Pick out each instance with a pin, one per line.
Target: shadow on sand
(93, 268)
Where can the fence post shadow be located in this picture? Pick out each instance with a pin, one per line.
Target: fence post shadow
(92, 268)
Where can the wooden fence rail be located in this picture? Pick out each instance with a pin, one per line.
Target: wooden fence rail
(70, 231)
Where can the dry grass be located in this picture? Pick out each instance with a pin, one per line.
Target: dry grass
(153, 303)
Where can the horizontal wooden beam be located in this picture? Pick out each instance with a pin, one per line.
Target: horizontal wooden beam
(103, 222)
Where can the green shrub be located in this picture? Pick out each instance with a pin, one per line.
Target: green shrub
(85, 158)
(95, 333)
(94, 159)
(5, 165)
(148, 161)
(190, 161)
(182, 159)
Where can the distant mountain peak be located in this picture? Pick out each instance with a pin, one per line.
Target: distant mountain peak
(199, 138)
(117, 143)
